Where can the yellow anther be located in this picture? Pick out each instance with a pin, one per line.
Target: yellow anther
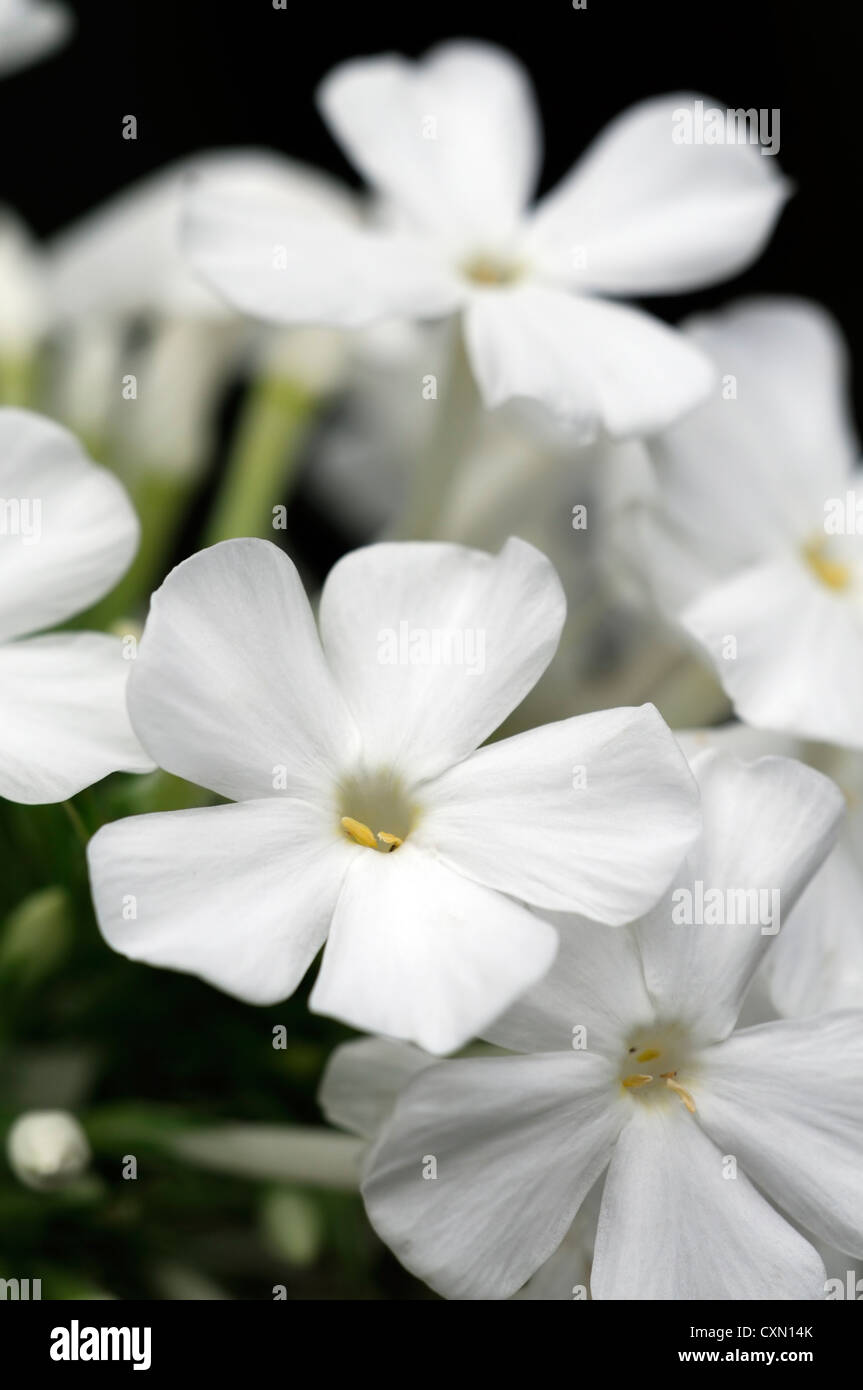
(648, 1055)
(832, 573)
(680, 1091)
(359, 832)
(636, 1080)
(391, 841)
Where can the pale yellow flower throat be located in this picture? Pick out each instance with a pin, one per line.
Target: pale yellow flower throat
(634, 1081)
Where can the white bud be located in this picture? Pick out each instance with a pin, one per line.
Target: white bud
(47, 1149)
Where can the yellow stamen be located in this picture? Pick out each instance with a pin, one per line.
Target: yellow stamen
(832, 573)
(392, 841)
(359, 832)
(680, 1091)
(636, 1080)
(648, 1055)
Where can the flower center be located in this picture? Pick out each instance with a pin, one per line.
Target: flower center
(832, 573)
(656, 1066)
(487, 269)
(376, 811)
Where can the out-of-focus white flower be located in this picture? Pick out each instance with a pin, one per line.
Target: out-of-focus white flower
(47, 1149)
(364, 816)
(67, 534)
(816, 962)
(451, 145)
(753, 539)
(30, 30)
(629, 1061)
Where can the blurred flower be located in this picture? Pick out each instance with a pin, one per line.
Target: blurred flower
(452, 147)
(749, 540)
(30, 30)
(68, 532)
(630, 1062)
(364, 814)
(47, 1149)
(278, 1153)
(23, 310)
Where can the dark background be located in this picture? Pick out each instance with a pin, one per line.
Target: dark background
(206, 73)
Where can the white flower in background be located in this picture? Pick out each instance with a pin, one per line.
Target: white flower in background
(364, 816)
(451, 145)
(629, 1062)
(751, 539)
(47, 1149)
(67, 534)
(816, 962)
(30, 30)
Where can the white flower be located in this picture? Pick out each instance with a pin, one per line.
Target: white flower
(47, 1149)
(692, 1120)
(67, 534)
(363, 813)
(30, 30)
(451, 145)
(749, 542)
(816, 962)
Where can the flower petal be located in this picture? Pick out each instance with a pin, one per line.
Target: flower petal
(787, 649)
(651, 214)
(69, 530)
(230, 688)
(285, 251)
(673, 1227)
(363, 1079)
(518, 1143)
(417, 952)
(590, 815)
(596, 984)
(590, 362)
(239, 895)
(453, 141)
(63, 719)
(786, 1099)
(31, 31)
(816, 963)
(768, 826)
(433, 645)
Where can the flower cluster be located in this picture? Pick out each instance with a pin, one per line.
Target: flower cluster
(557, 770)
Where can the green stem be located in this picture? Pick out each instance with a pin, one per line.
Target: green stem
(77, 823)
(263, 460)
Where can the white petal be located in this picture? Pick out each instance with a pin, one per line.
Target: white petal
(784, 439)
(363, 1079)
(591, 815)
(566, 1275)
(280, 252)
(673, 1227)
(433, 645)
(240, 895)
(30, 30)
(649, 215)
(768, 826)
(593, 997)
(68, 528)
(590, 362)
(518, 1143)
(796, 663)
(417, 952)
(452, 141)
(816, 963)
(63, 719)
(230, 688)
(786, 1099)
